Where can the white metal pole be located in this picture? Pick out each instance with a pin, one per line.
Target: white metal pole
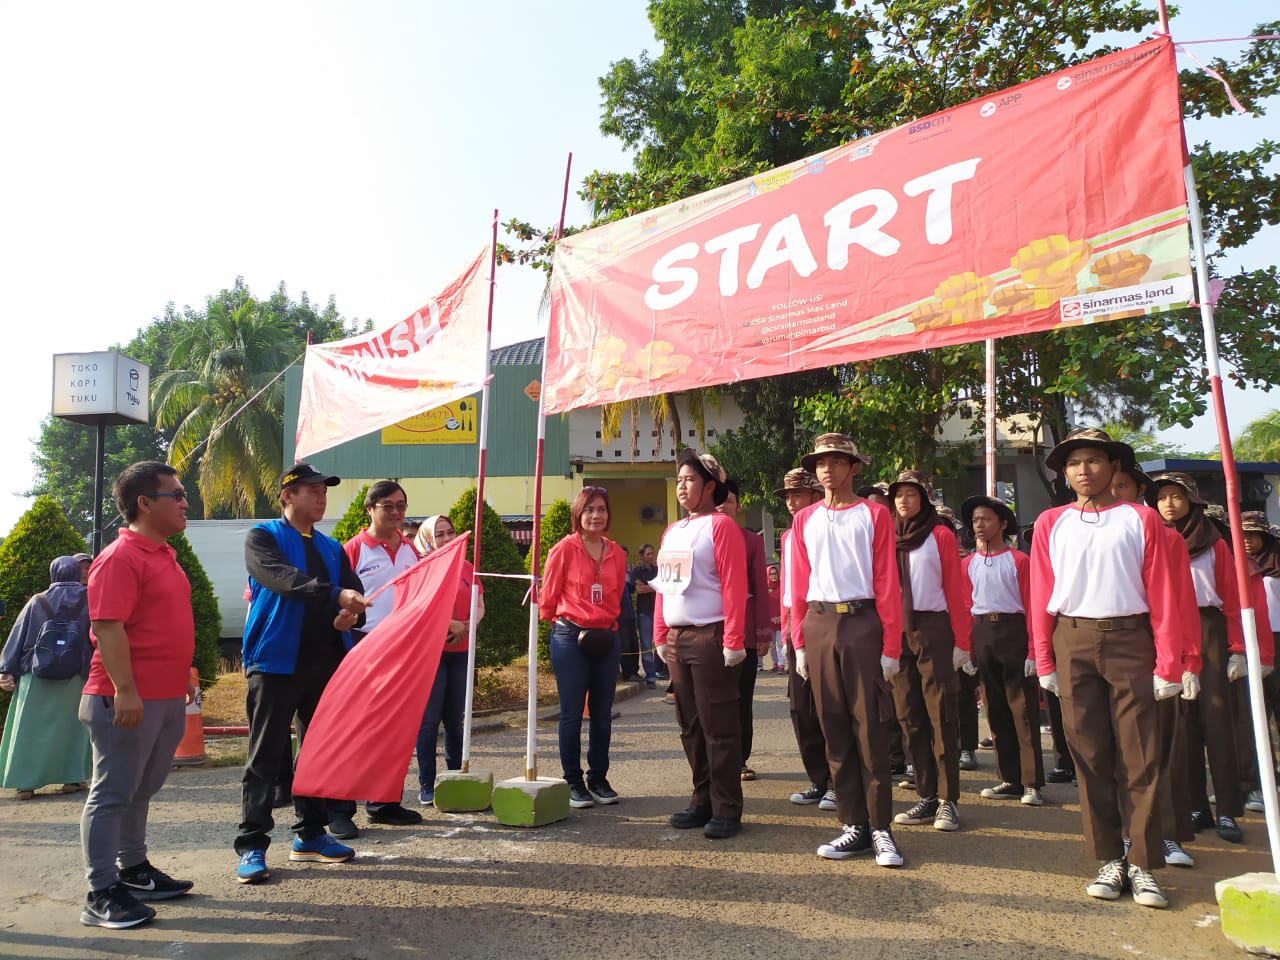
(991, 419)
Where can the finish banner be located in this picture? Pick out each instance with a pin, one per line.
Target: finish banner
(356, 386)
(1055, 203)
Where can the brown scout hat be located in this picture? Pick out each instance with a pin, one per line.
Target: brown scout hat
(1001, 509)
(798, 478)
(1179, 479)
(1255, 521)
(832, 443)
(1088, 437)
(917, 477)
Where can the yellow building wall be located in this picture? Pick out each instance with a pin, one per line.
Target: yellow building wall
(508, 496)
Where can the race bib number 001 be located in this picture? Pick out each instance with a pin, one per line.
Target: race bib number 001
(673, 572)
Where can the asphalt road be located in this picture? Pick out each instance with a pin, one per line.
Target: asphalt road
(618, 882)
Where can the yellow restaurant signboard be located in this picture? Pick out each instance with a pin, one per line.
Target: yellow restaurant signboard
(451, 423)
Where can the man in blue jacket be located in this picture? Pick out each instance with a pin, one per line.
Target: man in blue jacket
(304, 600)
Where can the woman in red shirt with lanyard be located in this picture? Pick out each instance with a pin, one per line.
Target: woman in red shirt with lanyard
(698, 632)
(581, 592)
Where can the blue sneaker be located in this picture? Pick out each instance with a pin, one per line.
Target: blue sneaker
(253, 867)
(321, 849)
(427, 796)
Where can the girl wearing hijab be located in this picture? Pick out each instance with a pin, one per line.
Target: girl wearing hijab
(44, 741)
(448, 694)
(1264, 551)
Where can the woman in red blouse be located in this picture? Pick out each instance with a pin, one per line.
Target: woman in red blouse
(581, 592)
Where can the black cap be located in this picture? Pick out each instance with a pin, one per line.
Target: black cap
(306, 473)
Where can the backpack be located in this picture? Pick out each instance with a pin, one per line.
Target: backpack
(60, 648)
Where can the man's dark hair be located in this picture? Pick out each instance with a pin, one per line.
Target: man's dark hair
(136, 480)
(381, 490)
(732, 484)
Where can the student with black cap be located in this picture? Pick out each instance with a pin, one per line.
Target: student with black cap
(1208, 717)
(937, 627)
(698, 633)
(1000, 580)
(847, 630)
(1103, 621)
(799, 489)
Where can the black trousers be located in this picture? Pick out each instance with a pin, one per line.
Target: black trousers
(967, 710)
(1061, 751)
(746, 693)
(271, 702)
(630, 647)
(1012, 698)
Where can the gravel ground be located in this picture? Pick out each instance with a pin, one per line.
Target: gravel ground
(617, 881)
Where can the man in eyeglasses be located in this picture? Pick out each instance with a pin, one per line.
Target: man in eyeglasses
(304, 601)
(134, 702)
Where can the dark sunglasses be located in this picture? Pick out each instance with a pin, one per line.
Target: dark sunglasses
(174, 494)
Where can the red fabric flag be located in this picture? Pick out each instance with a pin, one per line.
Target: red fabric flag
(359, 742)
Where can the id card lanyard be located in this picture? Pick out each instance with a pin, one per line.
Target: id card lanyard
(597, 588)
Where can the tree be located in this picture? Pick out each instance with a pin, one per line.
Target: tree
(1260, 439)
(744, 85)
(204, 611)
(40, 535)
(354, 519)
(557, 523)
(503, 633)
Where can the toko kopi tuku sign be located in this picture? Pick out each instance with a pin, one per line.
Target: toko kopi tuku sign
(104, 387)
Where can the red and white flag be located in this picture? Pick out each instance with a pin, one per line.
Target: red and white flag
(356, 386)
(360, 740)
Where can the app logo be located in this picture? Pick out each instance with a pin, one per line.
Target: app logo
(1064, 83)
(988, 108)
(1072, 311)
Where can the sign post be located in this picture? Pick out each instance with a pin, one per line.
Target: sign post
(100, 389)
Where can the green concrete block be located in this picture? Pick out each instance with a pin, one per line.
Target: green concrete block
(458, 792)
(531, 803)
(1250, 905)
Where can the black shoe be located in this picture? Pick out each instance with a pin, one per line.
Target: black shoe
(601, 792)
(145, 882)
(1060, 775)
(114, 908)
(719, 828)
(1229, 831)
(282, 797)
(651, 684)
(898, 770)
(968, 760)
(632, 678)
(690, 819)
(1201, 820)
(580, 797)
(923, 811)
(343, 828)
(393, 814)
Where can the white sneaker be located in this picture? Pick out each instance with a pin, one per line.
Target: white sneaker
(1146, 891)
(1110, 881)
(887, 852)
(854, 839)
(828, 801)
(1032, 797)
(1253, 802)
(1175, 856)
(806, 797)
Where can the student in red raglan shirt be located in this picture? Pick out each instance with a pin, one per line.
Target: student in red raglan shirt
(698, 625)
(1103, 620)
(846, 627)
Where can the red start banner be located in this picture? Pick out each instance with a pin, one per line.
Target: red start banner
(1056, 203)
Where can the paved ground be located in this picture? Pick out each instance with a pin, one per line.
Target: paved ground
(618, 882)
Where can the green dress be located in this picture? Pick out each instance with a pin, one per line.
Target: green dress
(44, 741)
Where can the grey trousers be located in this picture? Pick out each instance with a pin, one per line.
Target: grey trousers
(129, 768)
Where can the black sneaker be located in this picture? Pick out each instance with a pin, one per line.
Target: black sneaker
(1201, 820)
(968, 760)
(854, 839)
(806, 797)
(1060, 775)
(145, 882)
(114, 908)
(690, 819)
(343, 828)
(1002, 791)
(925, 811)
(720, 828)
(601, 792)
(393, 814)
(580, 797)
(1229, 830)
(1111, 881)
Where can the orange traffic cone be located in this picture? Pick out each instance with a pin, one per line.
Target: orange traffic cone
(190, 751)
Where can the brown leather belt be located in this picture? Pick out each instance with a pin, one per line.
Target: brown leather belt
(1110, 623)
(996, 617)
(843, 606)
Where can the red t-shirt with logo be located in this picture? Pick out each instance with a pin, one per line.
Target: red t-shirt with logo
(138, 582)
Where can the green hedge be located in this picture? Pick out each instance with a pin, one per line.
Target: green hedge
(556, 525)
(503, 633)
(354, 519)
(204, 610)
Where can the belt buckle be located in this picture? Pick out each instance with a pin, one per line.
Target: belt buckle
(1105, 625)
(843, 608)
(993, 618)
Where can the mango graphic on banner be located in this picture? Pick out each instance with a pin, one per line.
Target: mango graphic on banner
(451, 423)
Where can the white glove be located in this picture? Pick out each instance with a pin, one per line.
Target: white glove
(661, 651)
(1050, 682)
(1190, 685)
(890, 667)
(1028, 668)
(734, 657)
(960, 660)
(802, 664)
(1164, 689)
(1237, 667)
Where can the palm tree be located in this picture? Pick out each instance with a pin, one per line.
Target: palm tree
(223, 401)
(1261, 439)
(662, 411)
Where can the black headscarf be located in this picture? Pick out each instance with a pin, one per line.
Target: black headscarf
(911, 533)
(1198, 530)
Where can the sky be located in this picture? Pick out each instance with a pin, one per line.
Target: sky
(153, 152)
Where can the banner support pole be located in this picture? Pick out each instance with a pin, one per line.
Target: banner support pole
(472, 625)
(991, 419)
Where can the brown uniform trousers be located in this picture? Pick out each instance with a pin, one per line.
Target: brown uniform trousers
(1210, 727)
(707, 711)
(843, 653)
(926, 694)
(1012, 698)
(1246, 749)
(807, 726)
(1109, 710)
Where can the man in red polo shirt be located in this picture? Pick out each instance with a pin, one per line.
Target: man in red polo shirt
(134, 702)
